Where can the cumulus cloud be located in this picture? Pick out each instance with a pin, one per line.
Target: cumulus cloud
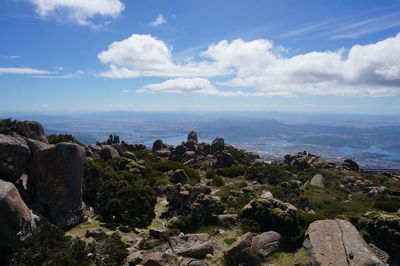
(144, 55)
(363, 70)
(21, 71)
(81, 12)
(158, 21)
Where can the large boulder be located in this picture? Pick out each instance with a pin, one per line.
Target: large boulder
(224, 159)
(108, 152)
(37, 129)
(16, 220)
(192, 136)
(160, 259)
(58, 172)
(180, 176)
(157, 145)
(337, 242)
(15, 157)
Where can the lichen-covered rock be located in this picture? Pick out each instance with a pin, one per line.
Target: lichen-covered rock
(16, 220)
(58, 172)
(337, 242)
(15, 157)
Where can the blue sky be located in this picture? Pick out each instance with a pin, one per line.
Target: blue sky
(290, 56)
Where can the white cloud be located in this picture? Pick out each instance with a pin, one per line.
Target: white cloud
(158, 21)
(144, 55)
(179, 85)
(259, 65)
(21, 71)
(81, 12)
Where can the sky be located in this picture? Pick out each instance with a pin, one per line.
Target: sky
(322, 56)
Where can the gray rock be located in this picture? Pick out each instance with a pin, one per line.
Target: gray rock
(265, 244)
(192, 136)
(228, 219)
(15, 157)
(108, 152)
(160, 259)
(218, 145)
(351, 165)
(129, 155)
(191, 245)
(180, 176)
(243, 242)
(224, 159)
(135, 258)
(318, 181)
(163, 153)
(58, 173)
(198, 251)
(95, 233)
(157, 145)
(337, 242)
(16, 220)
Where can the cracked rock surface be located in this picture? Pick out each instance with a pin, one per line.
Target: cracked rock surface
(337, 242)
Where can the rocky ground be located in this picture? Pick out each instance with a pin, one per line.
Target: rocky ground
(113, 203)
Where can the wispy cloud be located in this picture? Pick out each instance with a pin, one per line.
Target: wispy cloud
(21, 71)
(71, 75)
(347, 28)
(158, 21)
(10, 56)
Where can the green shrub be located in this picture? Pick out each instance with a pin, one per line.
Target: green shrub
(385, 203)
(54, 139)
(233, 171)
(270, 174)
(49, 246)
(218, 181)
(119, 196)
(210, 173)
(108, 250)
(167, 165)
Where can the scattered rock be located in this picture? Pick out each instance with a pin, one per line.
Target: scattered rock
(135, 258)
(160, 259)
(95, 233)
(129, 155)
(243, 242)
(265, 244)
(224, 159)
(318, 181)
(192, 245)
(228, 219)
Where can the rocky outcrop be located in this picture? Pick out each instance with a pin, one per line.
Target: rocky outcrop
(37, 131)
(58, 172)
(15, 157)
(337, 242)
(192, 136)
(218, 145)
(304, 160)
(108, 152)
(16, 220)
(157, 145)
